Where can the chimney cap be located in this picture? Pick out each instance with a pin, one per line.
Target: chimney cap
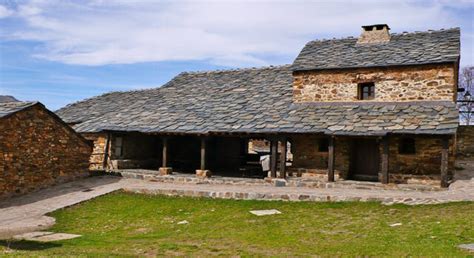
(378, 26)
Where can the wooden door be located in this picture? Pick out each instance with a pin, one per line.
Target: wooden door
(365, 160)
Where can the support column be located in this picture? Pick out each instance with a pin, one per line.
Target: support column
(164, 169)
(283, 159)
(273, 157)
(331, 159)
(444, 162)
(202, 172)
(385, 179)
(105, 162)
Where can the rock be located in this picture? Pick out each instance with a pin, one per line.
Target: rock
(467, 247)
(396, 224)
(183, 222)
(279, 182)
(265, 212)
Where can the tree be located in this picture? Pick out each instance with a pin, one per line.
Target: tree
(465, 99)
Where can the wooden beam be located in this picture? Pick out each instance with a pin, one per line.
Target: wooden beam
(165, 152)
(385, 142)
(203, 153)
(283, 159)
(273, 157)
(444, 162)
(331, 159)
(106, 151)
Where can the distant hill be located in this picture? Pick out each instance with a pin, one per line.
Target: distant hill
(6, 98)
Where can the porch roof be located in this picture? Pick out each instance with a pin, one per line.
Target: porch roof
(254, 100)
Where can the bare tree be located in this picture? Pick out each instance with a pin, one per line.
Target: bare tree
(465, 99)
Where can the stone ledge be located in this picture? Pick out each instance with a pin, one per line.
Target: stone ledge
(284, 196)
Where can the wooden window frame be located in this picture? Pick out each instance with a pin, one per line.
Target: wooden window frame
(118, 148)
(370, 86)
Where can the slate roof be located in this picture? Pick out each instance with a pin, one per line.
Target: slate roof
(7, 98)
(430, 47)
(257, 100)
(8, 108)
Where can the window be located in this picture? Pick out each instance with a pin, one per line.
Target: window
(366, 91)
(407, 146)
(118, 146)
(323, 145)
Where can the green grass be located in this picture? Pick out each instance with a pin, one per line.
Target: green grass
(124, 224)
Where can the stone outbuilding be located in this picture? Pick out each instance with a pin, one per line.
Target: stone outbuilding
(380, 107)
(37, 149)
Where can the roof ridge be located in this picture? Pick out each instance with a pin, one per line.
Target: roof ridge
(236, 69)
(429, 31)
(391, 34)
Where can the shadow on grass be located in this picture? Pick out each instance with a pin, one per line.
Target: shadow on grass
(23, 245)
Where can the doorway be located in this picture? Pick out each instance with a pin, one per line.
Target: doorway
(365, 161)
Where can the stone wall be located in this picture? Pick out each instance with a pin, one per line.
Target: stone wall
(98, 140)
(415, 83)
(38, 150)
(465, 141)
(421, 167)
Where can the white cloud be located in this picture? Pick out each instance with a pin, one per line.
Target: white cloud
(5, 12)
(232, 33)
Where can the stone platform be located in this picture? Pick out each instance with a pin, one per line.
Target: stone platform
(308, 182)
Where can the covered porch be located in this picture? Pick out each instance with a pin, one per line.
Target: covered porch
(401, 159)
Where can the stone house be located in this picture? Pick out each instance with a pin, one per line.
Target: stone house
(380, 107)
(37, 149)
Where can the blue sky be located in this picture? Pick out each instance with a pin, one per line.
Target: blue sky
(59, 52)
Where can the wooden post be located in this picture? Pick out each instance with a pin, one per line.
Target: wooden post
(165, 152)
(283, 159)
(444, 162)
(203, 153)
(273, 157)
(385, 179)
(331, 159)
(106, 151)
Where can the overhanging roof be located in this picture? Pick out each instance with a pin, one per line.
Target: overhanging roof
(255, 100)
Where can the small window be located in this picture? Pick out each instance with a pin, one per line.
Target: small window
(407, 146)
(366, 91)
(118, 146)
(323, 145)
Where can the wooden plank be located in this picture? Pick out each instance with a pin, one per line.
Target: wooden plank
(165, 152)
(273, 157)
(283, 159)
(331, 159)
(444, 162)
(106, 152)
(385, 146)
(203, 153)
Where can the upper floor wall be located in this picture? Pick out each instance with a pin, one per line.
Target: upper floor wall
(401, 83)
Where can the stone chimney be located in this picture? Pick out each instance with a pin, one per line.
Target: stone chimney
(377, 33)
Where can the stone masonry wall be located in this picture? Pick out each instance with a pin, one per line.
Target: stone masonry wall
(38, 150)
(96, 159)
(421, 167)
(465, 141)
(433, 82)
(307, 159)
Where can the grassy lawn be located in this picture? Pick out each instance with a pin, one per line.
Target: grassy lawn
(139, 225)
